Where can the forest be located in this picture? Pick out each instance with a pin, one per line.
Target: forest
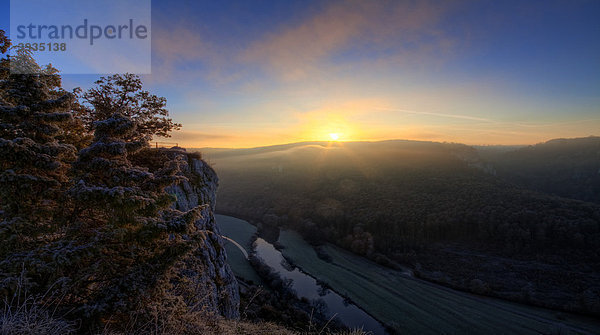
(563, 167)
(457, 218)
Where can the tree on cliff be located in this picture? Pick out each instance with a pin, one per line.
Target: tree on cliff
(34, 118)
(125, 234)
(124, 94)
(89, 225)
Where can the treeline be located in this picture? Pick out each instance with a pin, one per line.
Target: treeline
(84, 229)
(565, 167)
(388, 201)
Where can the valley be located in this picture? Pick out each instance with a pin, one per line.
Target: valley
(405, 303)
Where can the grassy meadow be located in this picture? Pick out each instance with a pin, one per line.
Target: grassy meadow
(417, 307)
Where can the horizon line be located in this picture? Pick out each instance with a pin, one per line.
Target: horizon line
(391, 140)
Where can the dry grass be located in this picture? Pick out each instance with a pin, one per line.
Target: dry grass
(29, 315)
(28, 318)
(31, 319)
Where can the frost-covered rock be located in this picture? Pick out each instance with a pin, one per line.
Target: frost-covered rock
(203, 277)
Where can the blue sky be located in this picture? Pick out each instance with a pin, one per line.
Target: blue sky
(252, 73)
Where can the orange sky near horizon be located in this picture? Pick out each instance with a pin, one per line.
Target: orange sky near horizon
(224, 136)
(359, 120)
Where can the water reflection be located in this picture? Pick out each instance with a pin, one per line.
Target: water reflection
(307, 287)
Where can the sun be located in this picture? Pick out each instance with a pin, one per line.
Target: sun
(334, 136)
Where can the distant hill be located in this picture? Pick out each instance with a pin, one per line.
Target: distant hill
(300, 154)
(431, 191)
(565, 167)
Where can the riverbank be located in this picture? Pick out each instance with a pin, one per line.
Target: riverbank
(324, 300)
(414, 306)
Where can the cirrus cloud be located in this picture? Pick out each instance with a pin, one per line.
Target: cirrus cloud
(377, 30)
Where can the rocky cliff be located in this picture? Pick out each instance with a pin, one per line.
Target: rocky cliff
(203, 278)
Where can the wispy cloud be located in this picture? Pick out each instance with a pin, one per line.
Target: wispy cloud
(382, 34)
(378, 29)
(444, 115)
(178, 47)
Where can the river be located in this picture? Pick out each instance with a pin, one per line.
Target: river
(305, 285)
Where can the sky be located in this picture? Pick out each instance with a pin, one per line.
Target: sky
(255, 73)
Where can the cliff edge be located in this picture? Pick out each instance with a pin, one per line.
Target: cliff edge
(203, 277)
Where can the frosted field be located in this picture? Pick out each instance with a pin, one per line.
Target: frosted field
(418, 307)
